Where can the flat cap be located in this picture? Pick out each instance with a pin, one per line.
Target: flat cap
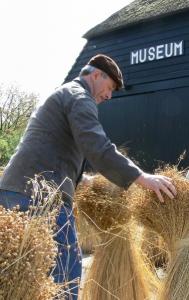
(109, 66)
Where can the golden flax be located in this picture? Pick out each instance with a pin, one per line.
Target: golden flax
(114, 273)
(27, 248)
(170, 221)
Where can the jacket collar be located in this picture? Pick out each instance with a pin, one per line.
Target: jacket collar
(83, 83)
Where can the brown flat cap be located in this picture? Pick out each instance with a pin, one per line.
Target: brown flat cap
(109, 66)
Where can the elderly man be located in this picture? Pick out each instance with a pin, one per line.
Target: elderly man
(60, 135)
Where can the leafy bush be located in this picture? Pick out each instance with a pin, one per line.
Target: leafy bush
(16, 107)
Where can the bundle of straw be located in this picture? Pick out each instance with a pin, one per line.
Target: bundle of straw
(102, 203)
(27, 253)
(170, 220)
(115, 273)
(27, 248)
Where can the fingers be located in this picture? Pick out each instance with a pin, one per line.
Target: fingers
(171, 187)
(158, 193)
(167, 182)
(167, 191)
(167, 187)
(157, 183)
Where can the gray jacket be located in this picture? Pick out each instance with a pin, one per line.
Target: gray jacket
(60, 134)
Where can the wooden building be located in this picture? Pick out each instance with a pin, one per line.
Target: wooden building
(149, 39)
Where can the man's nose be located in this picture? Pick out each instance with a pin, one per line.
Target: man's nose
(108, 95)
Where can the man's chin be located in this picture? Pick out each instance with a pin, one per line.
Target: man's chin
(100, 100)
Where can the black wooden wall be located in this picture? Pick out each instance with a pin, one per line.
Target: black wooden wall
(150, 117)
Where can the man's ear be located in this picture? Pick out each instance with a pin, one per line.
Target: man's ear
(96, 74)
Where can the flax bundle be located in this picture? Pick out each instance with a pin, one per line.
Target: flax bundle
(171, 221)
(28, 250)
(102, 203)
(27, 253)
(114, 273)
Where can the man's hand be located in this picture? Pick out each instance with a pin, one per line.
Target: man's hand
(158, 184)
(86, 179)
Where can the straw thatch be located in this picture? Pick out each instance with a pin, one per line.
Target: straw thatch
(138, 11)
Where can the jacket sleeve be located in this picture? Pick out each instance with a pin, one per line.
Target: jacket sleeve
(92, 141)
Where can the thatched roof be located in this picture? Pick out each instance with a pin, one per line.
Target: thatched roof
(138, 11)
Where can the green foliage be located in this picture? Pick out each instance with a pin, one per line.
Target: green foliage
(8, 143)
(3, 150)
(16, 107)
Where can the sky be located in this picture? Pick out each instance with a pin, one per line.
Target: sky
(41, 39)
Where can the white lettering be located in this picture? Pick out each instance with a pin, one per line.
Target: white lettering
(159, 52)
(151, 53)
(169, 50)
(134, 57)
(178, 48)
(142, 55)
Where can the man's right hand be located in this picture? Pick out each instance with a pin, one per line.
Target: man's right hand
(158, 184)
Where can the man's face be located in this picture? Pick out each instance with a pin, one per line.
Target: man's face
(103, 87)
